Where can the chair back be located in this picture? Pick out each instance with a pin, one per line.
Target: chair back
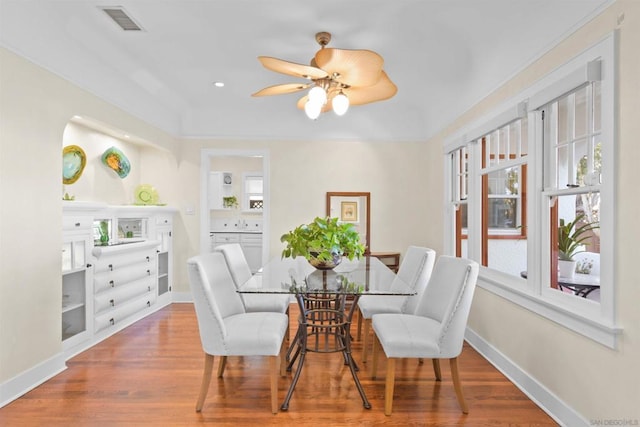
(447, 300)
(214, 298)
(415, 270)
(236, 261)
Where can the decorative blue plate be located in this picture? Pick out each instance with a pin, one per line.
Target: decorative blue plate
(73, 162)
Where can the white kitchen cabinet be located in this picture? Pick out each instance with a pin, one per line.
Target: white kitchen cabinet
(220, 186)
(250, 242)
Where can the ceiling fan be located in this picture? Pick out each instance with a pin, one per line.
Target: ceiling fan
(337, 78)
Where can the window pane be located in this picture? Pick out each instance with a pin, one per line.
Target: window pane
(581, 116)
(563, 120)
(503, 213)
(253, 185)
(578, 245)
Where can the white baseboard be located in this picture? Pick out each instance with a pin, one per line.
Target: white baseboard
(31, 378)
(562, 413)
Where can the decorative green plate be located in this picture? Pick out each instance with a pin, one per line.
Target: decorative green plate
(116, 160)
(145, 194)
(73, 162)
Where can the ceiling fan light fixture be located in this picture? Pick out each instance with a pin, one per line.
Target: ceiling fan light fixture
(312, 109)
(318, 94)
(340, 104)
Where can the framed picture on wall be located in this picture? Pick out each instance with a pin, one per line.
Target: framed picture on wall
(349, 211)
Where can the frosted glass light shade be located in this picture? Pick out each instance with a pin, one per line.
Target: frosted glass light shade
(340, 104)
(312, 109)
(317, 94)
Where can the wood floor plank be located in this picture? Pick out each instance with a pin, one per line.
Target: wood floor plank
(150, 374)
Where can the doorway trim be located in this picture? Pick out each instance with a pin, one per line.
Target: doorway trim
(206, 154)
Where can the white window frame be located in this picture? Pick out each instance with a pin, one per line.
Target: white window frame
(586, 317)
(246, 196)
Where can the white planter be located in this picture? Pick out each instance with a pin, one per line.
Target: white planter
(566, 268)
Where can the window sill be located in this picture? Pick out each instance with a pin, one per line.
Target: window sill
(595, 327)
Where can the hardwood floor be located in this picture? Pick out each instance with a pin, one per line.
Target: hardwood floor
(149, 374)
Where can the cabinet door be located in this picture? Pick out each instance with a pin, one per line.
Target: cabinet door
(165, 267)
(252, 248)
(76, 280)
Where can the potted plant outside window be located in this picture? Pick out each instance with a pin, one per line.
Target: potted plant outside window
(571, 239)
(323, 242)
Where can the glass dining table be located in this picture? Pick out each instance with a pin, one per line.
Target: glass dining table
(327, 300)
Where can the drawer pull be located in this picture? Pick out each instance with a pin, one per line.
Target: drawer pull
(111, 267)
(112, 302)
(149, 272)
(89, 265)
(112, 321)
(148, 303)
(148, 259)
(113, 285)
(149, 288)
(77, 224)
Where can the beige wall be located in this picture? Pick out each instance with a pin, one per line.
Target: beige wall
(35, 107)
(597, 382)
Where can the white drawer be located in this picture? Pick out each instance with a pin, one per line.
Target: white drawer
(76, 222)
(116, 297)
(112, 279)
(112, 318)
(254, 238)
(164, 220)
(224, 238)
(115, 262)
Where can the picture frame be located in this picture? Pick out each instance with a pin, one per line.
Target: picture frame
(349, 211)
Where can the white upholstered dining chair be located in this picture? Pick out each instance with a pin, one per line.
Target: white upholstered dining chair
(415, 271)
(241, 272)
(435, 330)
(226, 329)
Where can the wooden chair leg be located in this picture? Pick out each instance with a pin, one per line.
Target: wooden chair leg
(365, 339)
(436, 369)
(457, 385)
(206, 380)
(287, 338)
(388, 388)
(221, 365)
(283, 358)
(376, 349)
(359, 334)
(274, 367)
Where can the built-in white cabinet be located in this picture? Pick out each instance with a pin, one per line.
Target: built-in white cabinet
(106, 286)
(251, 244)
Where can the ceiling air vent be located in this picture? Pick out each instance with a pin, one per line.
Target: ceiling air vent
(121, 18)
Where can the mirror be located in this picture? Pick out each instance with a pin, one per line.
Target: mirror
(352, 207)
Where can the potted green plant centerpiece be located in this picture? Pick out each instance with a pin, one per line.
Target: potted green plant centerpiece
(571, 238)
(323, 242)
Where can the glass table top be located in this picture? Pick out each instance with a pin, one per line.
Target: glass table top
(366, 276)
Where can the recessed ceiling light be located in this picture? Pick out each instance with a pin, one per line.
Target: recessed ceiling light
(218, 84)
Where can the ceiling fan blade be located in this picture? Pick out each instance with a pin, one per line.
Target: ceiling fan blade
(281, 89)
(352, 67)
(291, 68)
(382, 90)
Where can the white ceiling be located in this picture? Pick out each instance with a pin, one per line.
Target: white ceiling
(444, 56)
